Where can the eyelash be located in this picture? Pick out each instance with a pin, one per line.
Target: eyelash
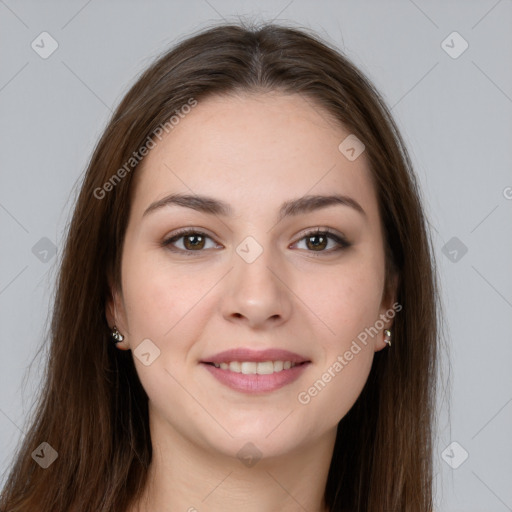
(342, 243)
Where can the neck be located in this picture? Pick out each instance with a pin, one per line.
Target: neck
(188, 477)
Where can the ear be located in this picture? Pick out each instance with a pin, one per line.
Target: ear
(115, 313)
(388, 310)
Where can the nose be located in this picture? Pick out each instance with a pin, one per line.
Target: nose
(257, 294)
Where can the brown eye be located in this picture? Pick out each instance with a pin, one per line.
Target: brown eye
(193, 241)
(190, 241)
(318, 241)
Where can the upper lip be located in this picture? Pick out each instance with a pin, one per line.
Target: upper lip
(247, 354)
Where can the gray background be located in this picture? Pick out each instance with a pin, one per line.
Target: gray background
(455, 115)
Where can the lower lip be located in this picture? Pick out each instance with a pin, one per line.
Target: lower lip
(255, 383)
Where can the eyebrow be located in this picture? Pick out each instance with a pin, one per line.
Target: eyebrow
(212, 206)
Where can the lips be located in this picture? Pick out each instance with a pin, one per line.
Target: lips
(256, 356)
(251, 371)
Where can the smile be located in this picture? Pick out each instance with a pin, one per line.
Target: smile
(253, 368)
(256, 377)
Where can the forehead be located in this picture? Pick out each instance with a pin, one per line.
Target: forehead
(253, 150)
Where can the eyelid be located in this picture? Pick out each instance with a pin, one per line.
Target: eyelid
(319, 230)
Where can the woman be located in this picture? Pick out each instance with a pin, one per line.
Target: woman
(246, 308)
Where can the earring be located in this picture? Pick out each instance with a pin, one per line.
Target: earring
(116, 335)
(387, 337)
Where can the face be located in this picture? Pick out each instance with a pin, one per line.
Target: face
(260, 269)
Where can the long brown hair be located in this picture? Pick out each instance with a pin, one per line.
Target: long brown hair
(93, 410)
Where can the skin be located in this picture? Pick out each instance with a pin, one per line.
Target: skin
(253, 151)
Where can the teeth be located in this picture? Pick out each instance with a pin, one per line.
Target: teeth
(234, 366)
(249, 368)
(265, 368)
(252, 368)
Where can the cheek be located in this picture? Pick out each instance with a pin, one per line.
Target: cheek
(342, 371)
(331, 394)
(158, 296)
(159, 307)
(347, 299)
(349, 306)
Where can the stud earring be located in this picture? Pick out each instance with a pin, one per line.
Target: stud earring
(387, 337)
(116, 335)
